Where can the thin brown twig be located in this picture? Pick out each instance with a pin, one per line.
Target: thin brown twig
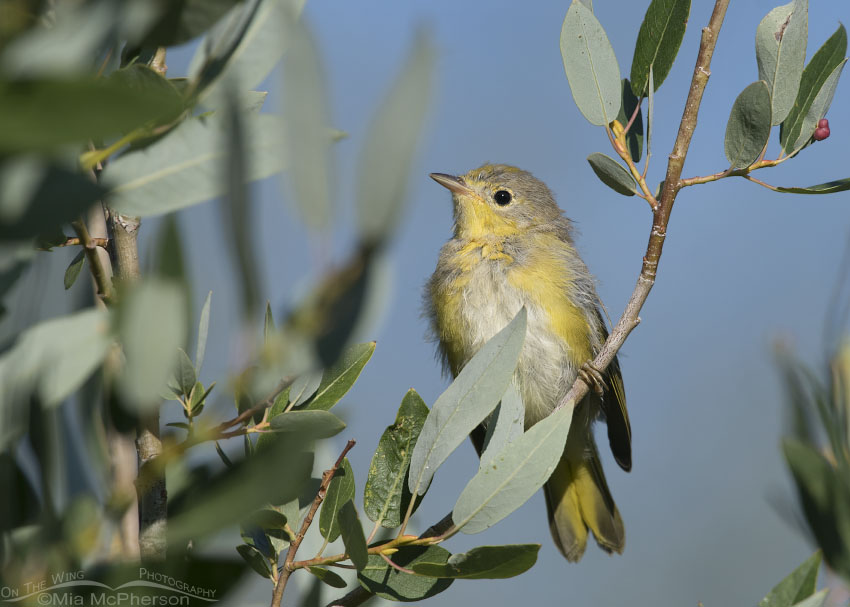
(287, 569)
(398, 567)
(98, 271)
(661, 214)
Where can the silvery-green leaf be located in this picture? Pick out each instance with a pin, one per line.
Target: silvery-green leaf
(391, 143)
(506, 423)
(591, 65)
(352, 535)
(152, 326)
(483, 563)
(337, 380)
(321, 424)
(798, 127)
(781, 52)
(658, 42)
(514, 475)
(748, 128)
(612, 174)
(174, 172)
(306, 114)
(304, 387)
(816, 111)
(466, 402)
(389, 583)
(340, 491)
(830, 187)
(203, 332)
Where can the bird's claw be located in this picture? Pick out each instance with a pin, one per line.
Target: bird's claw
(592, 376)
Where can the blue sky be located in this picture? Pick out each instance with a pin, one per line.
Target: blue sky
(742, 267)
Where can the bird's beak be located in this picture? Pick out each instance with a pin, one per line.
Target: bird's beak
(452, 183)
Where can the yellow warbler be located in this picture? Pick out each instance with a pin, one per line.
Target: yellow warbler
(513, 247)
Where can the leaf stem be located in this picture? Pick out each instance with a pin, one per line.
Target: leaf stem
(98, 271)
(287, 569)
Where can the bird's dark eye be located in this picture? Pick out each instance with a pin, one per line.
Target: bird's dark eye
(502, 197)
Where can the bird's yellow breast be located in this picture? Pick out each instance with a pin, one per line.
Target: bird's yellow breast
(485, 289)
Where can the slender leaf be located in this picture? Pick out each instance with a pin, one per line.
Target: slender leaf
(391, 143)
(174, 172)
(43, 113)
(304, 387)
(340, 491)
(798, 127)
(152, 325)
(393, 585)
(306, 114)
(612, 174)
(781, 53)
(506, 423)
(816, 600)
(321, 424)
(352, 535)
(798, 585)
(590, 65)
(634, 138)
(36, 197)
(485, 562)
(748, 128)
(830, 187)
(186, 376)
(328, 577)
(73, 269)
(255, 559)
(658, 42)
(466, 402)
(514, 475)
(337, 381)
(268, 322)
(816, 111)
(203, 332)
(825, 498)
(387, 495)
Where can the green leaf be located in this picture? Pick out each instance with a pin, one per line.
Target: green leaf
(280, 403)
(274, 474)
(183, 20)
(307, 116)
(42, 113)
(152, 326)
(658, 42)
(304, 387)
(394, 585)
(748, 128)
(36, 197)
(352, 535)
(268, 322)
(247, 44)
(53, 358)
(484, 563)
(174, 172)
(825, 497)
(255, 559)
(798, 585)
(634, 138)
(391, 143)
(781, 52)
(466, 402)
(328, 577)
(73, 269)
(506, 423)
(612, 174)
(186, 376)
(203, 332)
(340, 491)
(514, 475)
(650, 108)
(591, 66)
(321, 424)
(387, 495)
(830, 187)
(816, 600)
(337, 381)
(817, 87)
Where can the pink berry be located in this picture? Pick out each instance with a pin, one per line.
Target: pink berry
(821, 133)
(823, 123)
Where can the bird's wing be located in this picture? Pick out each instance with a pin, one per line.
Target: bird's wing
(616, 414)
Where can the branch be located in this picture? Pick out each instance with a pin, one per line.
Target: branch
(287, 570)
(99, 273)
(661, 214)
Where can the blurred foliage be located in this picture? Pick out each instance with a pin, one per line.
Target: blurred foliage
(92, 123)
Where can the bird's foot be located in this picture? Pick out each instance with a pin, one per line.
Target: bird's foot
(592, 376)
